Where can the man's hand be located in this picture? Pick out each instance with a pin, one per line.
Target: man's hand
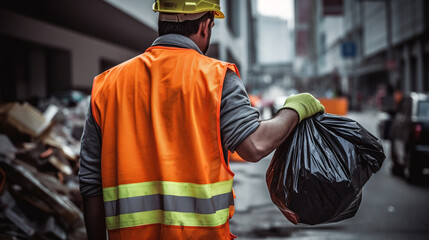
(304, 104)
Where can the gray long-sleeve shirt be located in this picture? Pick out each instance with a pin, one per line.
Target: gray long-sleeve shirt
(238, 119)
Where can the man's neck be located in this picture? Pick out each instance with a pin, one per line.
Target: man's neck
(199, 41)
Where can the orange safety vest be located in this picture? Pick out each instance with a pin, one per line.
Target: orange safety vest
(163, 171)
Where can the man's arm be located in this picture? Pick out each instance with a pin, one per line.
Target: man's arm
(93, 212)
(268, 136)
(241, 129)
(90, 179)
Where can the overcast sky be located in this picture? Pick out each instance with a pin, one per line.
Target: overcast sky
(278, 8)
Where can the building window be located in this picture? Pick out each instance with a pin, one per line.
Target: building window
(413, 74)
(322, 44)
(233, 16)
(32, 70)
(426, 73)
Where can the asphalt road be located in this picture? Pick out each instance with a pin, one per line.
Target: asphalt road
(391, 208)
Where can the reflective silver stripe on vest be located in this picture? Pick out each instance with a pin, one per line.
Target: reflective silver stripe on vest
(168, 203)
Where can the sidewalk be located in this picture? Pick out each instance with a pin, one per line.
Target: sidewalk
(255, 213)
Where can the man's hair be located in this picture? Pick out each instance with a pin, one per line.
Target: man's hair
(185, 28)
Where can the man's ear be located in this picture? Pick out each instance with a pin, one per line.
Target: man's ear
(204, 28)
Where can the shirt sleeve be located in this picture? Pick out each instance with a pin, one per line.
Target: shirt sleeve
(90, 158)
(238, 119)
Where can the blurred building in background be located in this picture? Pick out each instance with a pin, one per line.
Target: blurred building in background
(356, 47)
(275, 39)
(274, 54)
(233, 38)
(305, 44)
(51, 46)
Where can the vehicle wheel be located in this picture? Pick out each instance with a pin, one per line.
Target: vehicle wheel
(412, 171)
(397, 170)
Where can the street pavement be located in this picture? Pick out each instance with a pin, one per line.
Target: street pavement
(391, 208)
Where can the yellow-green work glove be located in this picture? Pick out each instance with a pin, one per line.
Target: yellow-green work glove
(304, 104)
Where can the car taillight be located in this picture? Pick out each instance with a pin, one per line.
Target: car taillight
(417, 130)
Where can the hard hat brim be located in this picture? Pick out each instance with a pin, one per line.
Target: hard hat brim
(219, 14)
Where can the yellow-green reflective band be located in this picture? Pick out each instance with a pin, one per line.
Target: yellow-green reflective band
(167, 188)
(167, 218)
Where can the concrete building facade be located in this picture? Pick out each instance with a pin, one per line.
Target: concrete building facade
(388, 41)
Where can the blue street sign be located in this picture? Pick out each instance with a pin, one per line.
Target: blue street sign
(348, 49)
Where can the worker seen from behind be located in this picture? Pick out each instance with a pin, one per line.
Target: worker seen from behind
(154, 156)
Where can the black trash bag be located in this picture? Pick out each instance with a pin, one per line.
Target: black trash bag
(317, 174)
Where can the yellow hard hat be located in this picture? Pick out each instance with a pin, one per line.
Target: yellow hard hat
(188, 7)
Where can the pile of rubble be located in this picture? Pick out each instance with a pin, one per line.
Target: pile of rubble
(39, 162)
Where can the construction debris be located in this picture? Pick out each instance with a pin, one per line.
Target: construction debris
(29, 120)
(39, 152)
